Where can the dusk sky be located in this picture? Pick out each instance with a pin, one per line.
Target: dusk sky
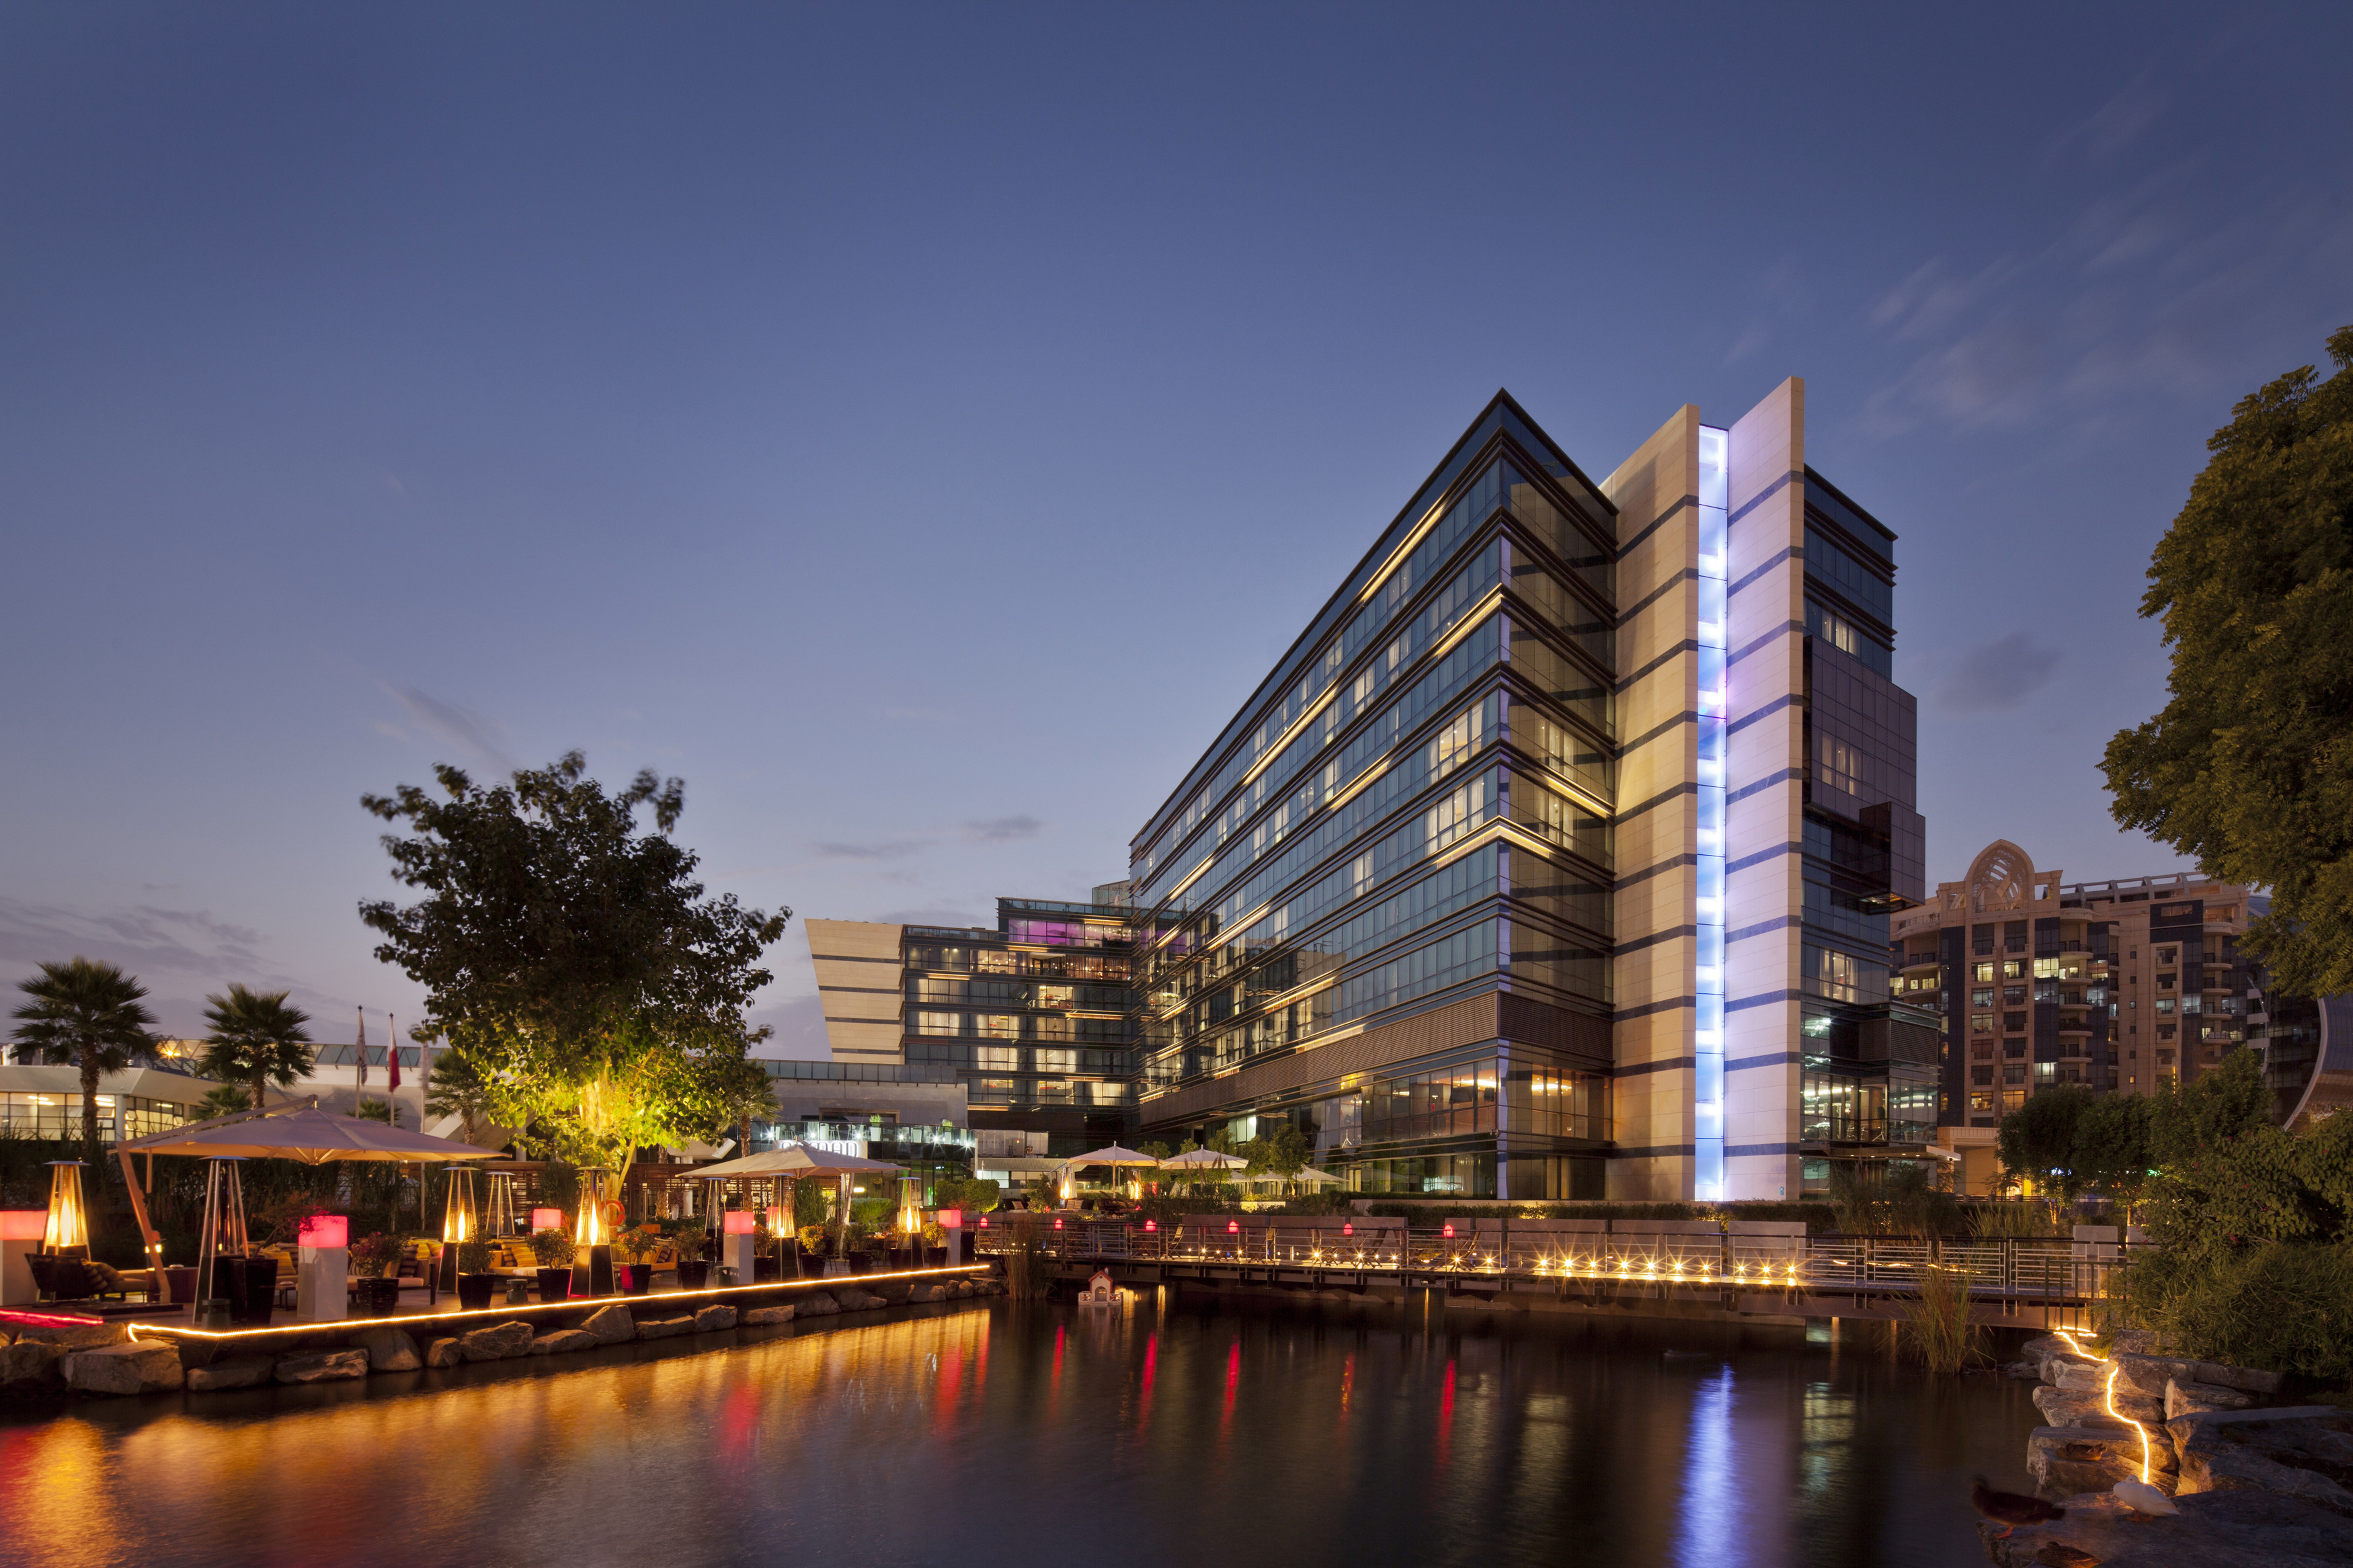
(920, 428)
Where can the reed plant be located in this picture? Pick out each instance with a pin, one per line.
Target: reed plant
(1936, 1327)
(1028, 1271)
(2011, 1217)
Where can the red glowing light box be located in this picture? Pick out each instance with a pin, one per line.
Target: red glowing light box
(740, 1222)
(547, 1219)
(23, 1225)
(325, 1230)
(951, 1219)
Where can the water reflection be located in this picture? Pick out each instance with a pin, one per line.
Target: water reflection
(1160, 1435)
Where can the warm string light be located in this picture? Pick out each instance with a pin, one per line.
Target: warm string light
(2108, 1395)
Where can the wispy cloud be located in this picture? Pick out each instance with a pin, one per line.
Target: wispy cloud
(890, 849)
(481, 737)
(1997, 675)
(1003, 829)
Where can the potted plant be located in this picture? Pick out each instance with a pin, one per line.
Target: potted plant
(936, 1245)
(635, 1244)
(475, 1280)
(694, 1273)
(372, 1258)
(552, 1249)
(812, 1250)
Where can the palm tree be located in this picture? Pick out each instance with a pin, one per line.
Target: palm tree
(257, 1039)
(460, 1088)
(87, 1014)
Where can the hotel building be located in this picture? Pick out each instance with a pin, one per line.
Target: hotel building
(2126, 986)
(1031, 1018)
(1554, 859)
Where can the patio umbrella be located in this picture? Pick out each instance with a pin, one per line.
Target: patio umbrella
(792, 1161)
(302, 1132)
(1195, 1161)
(1115, 1156)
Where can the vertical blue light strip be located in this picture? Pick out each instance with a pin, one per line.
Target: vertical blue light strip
(1707, 1014)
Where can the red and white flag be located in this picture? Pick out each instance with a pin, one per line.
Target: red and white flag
(392, 1056)
(362, 1051)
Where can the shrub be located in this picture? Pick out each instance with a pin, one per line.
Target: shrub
(374, 1254)
(473, 1256)
(2277, 1305)
(690, 1240)
(1936, 1327)
(552, 1247)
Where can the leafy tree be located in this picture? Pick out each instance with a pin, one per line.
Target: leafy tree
(974, 1196)
(573, 958)
(2224, 1102)
(257, 1041)
(1156, 1149)
(370, 1109)
(2037, 1140)
(87, 1014)
(749, 1095)
(2112, 1145)
(2250, 765)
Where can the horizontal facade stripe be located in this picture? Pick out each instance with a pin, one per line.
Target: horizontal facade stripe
(879, 1023)
(1788, 700)
(1790, 552)
(1656, 937)
(864, 990)
(1766, 641)
(849, 958)
(1654, 1152)
(1735, 1151)
(1664, 1064)
(1763, 999)
(1655, 524)
(1758, 858)
(1658, 800)
(1686, 575)
(1767, 493)
(1777, 923)
(1647, 872)
(1687, 646)
(1764, 1060)
(1654, 733)
(1768, 782)
(1669, 1005)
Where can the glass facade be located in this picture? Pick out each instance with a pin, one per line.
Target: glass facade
(1416, 808)
(1032, 1017)
(59, 1115)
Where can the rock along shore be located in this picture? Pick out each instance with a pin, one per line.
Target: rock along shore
(104, 1359)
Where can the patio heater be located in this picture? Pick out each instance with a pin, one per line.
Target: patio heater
(499, 1206)
(48, 1246)
(911, 1214)
(223, 1282)
(461, 1222)
(66, 1232)
(592, 1238)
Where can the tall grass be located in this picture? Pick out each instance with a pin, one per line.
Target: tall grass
(1028, 1273)
(2018, 1219)
(1936, 1327)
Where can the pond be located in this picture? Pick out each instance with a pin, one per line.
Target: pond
(1020, 1434)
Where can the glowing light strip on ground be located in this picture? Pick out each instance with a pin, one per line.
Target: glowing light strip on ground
(507, 1313)
(2108, 1394)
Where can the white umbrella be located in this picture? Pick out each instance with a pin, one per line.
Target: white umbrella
(301, 1132)
(1115, 1156)
(797, 1160)
(1203, 1160)
(1315, 1178)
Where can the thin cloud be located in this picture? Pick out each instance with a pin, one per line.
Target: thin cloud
(481, 737)
(1003, 829)
(1997, 675)
(894, 849)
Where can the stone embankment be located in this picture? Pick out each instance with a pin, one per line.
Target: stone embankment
(2256, 1481)
(107, 1358)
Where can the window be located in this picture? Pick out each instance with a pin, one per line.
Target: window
(1981, 1024)
(2013, 969)
(2165, 981)
(2013, 995)
(2164, 1005)
(2166, 954)
(2046, 969)
(1981, 998)
(1983, 972)
(2013, 1022)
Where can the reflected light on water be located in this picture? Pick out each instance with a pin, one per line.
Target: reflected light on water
(908, 1441)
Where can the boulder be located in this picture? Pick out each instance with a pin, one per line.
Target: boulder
(763, 1316)
(2061, 1408)
(564, 1340)
(665, 1328)
(611, 1325)
(2148, 1374)
(321, 1366)
(146, 1366)
(388, 1349)
(712, 1319)
(32, 1362)
(2043, 1349)
(495, 1343)
(817, 1304)
(236, 1372)
(443, 1353)
(925, 1294)
(2082, 1376)
(2133, 1341)
(2197, 1398)
(2214, 1530)
(2302, 1451)
(74, 1336)
(2065, 1460)
(857, 1300)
